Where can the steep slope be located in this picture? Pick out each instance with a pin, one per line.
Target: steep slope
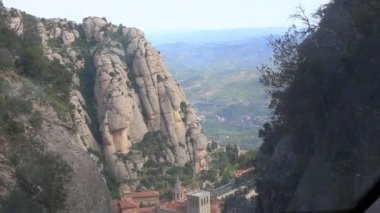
(321, 150)
(104, 103)
(46, 166)
(135, 94)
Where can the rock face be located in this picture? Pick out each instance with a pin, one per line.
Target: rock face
(59, 137)
(82, 196)
(15, 21)
(70, 139)
(134, 95)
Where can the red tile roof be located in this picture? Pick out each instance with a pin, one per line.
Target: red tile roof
(175, 206)
(146, 210)
(145, 194)
(240, 172)
(127, 204)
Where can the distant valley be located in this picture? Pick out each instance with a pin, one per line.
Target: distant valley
(218, 71)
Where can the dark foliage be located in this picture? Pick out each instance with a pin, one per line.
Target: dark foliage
(40, 178)
(10, 108)
(154, 144)
(87, 83)
(31, 63)
(325, 126)
(238, 203)
(40, 175)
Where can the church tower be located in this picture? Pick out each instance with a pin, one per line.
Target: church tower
(178, 191)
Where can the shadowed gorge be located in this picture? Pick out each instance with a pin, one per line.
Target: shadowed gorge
(320, 150)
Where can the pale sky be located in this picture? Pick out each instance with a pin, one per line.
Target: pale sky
(174, 15)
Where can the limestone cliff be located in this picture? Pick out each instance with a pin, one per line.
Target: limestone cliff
(120, 92)
(135, 94)
(33, 118)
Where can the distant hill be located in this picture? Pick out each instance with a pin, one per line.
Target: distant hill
(218, 71)
(210, 36)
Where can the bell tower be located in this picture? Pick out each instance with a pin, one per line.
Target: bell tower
(178, 191)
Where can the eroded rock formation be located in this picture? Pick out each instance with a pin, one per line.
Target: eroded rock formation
(134, 95)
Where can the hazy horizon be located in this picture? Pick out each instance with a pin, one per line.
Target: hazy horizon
(172, 15)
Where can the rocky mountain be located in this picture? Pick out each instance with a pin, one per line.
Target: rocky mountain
(98, 98)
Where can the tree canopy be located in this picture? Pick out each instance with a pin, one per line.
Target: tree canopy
(324, 130)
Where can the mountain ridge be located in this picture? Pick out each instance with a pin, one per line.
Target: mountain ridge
(102, 90)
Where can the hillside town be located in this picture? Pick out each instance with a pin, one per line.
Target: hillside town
(207, 200)
(185, 199)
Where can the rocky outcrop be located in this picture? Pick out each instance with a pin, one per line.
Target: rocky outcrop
(70, 138)
(92, 27)
(81, 121)
(61, 138)
(15, 21)
(57, 30)
(82, 196)
(134, 94)
(121, 121)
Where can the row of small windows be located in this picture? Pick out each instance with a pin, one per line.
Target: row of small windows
(179, 195)
(204, 200)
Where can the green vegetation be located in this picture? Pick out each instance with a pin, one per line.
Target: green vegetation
(154, 144)
(221, 78)
(248, 158)
(162, 176)
(239, 134)
(87, 83)
(54, 77)
(238, 203)
(155, 175)
(112, 183)
(36, 119)
(40, 175)
(183, 107)
(325, 98)
(10, 108)
(6, 58)
(233, 96)
(225, 163)
(132, 80)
